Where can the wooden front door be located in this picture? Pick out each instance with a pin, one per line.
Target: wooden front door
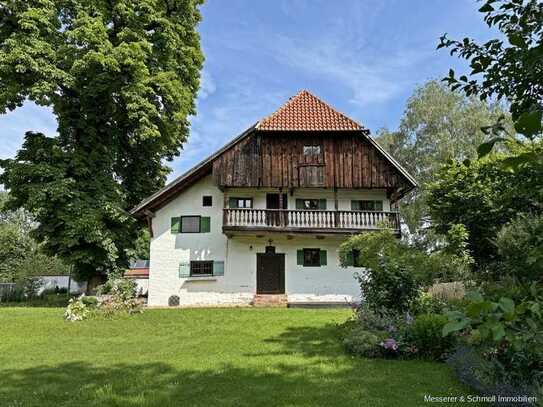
(270, 273)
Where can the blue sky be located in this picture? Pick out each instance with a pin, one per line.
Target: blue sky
(364, 57)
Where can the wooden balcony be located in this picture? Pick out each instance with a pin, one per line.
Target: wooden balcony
(309, 221)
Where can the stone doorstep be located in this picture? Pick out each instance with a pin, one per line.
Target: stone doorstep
(269, 300)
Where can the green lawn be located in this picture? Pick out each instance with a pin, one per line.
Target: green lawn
(200, 357)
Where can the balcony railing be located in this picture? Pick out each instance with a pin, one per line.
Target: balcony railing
(309, 220)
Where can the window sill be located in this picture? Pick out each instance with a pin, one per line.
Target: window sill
(201, 278)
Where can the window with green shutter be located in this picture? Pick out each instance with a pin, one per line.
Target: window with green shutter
(184, 270)
(353, 258)
(205, 224)
(175, 225)
(311, 257)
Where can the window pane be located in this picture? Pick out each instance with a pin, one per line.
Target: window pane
(311, 204)
(190, 224)
(312, 257)
(207, 200)
(312, 150)
(201, 268)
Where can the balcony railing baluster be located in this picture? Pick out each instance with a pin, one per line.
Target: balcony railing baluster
(293, 219)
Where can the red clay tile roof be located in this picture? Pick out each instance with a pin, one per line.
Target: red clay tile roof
(137, 273)
(306, 112)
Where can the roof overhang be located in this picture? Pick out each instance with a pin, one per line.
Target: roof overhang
(171, 190)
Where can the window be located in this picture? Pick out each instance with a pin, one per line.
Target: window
(190, 224)
(198, 268)
(310, 203)
(312, 150)
(367, 205)
(201, 268)
(241, 202)
(207, 200)
(311, 257)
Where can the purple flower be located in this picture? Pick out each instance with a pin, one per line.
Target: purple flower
(390, 344)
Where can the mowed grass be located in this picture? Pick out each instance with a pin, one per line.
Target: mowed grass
(201, 357)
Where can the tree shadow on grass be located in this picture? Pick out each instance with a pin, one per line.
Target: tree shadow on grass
(320, 375)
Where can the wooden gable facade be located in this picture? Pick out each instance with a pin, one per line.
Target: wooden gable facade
(327, 159)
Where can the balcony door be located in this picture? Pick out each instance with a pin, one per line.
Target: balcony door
(276, 201)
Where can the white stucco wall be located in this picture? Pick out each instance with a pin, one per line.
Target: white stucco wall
(331, 283)
(238, 285)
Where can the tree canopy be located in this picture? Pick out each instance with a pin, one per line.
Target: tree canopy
(121, 77)
(438, 125)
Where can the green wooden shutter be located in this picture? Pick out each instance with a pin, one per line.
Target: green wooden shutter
(350, 258)
(299, 204)
(205, 224)
(184, 270)
(323, 258)
(176, 225)
(300, 257)
(378, 205)
(218, 268)
(355, 205)
(233, 203)
(322, 204)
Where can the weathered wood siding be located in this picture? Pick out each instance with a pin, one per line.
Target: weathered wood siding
(273, 159)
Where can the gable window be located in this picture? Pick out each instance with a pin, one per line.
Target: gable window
(364, 205)
(312, 150)
(240, 202)
(311, 204)
(201, 268)
(207, 200)
(311, 257)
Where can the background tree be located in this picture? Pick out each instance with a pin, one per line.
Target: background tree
(438, 125)
(485, 195)
(121, 77)
(21, 257)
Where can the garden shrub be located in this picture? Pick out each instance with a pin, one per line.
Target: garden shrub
(474, 370)
(506, 333)
(90, 301)
(364, 343)
(424, 337)
(394, 270)
(76, 310)
(520, 249)
(120, 298)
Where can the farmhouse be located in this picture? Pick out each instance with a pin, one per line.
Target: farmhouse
(262, 218)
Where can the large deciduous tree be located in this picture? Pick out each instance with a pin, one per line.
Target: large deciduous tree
(438, 125)
(121, 77)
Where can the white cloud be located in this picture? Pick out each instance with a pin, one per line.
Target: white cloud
(370, 79)
(208, 86)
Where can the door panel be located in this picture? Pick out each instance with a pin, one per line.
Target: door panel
(270, 273)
